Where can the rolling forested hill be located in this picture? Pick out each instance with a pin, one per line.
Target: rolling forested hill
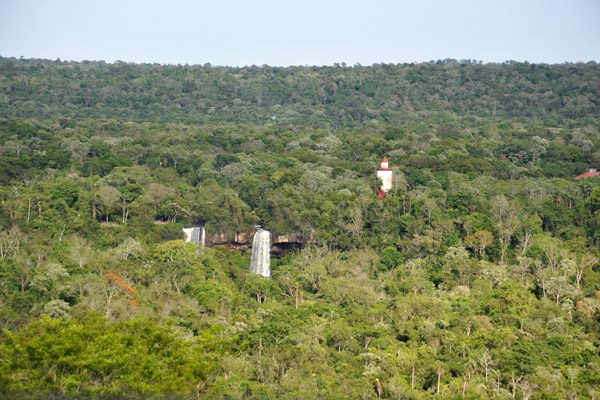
(477, 277)
(333, 97)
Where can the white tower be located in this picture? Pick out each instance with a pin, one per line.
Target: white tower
(385, 173)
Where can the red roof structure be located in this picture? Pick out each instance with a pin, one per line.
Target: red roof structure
(589, 172)
(384, 160)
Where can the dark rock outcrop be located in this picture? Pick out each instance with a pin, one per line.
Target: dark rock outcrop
(281, 245)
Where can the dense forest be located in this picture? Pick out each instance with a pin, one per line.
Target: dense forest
(477, 277)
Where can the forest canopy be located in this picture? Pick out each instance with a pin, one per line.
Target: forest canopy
(478, 276)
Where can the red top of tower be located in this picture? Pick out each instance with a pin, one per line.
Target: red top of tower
(384, 165)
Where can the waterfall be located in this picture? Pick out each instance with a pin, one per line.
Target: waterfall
(202, 237)
(196, 235)
(260, 262)
(188, 234)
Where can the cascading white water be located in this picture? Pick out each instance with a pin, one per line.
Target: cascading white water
(202, 237)
(196, 235)
(188, 234)
(260, 260)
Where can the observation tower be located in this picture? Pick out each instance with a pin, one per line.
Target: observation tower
(385, 173)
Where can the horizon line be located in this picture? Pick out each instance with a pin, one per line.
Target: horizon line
(340, 64)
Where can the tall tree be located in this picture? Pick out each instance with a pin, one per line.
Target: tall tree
(507, 220)
(109, 197)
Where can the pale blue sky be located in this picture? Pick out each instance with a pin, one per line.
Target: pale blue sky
(308, 32)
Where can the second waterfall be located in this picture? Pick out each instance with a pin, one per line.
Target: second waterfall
(260, 260)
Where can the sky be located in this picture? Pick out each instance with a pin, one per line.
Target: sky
(307, 32)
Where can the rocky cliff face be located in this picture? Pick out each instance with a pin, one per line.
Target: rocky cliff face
(245, 238)
(281, 245)
(224, 239)
(291, 238)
